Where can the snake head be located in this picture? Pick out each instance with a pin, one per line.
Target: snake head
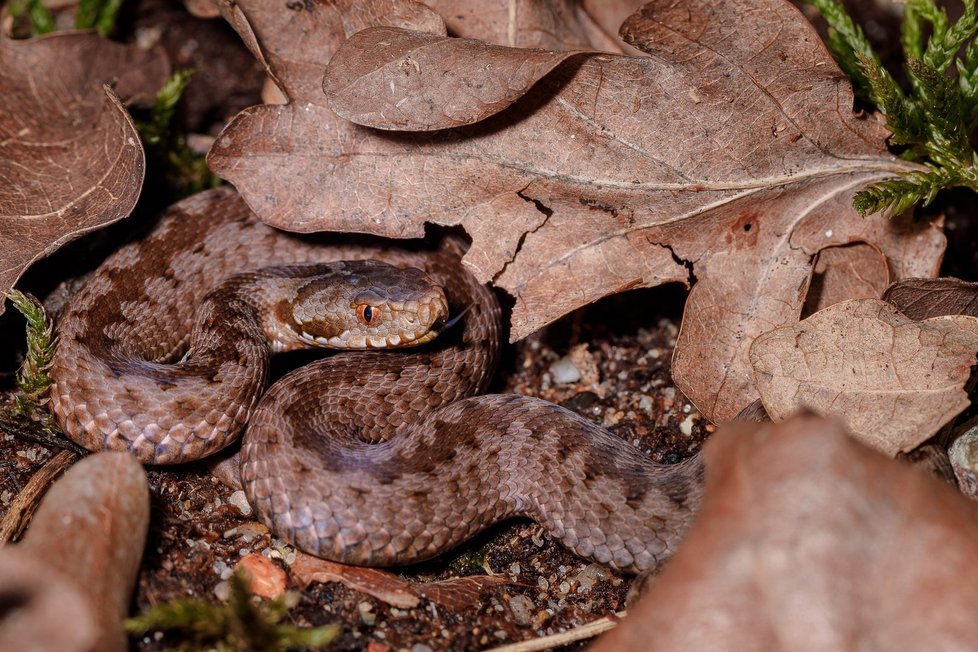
(368, 305)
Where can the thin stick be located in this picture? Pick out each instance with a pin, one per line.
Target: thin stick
(29, 434)
(589, 630)
(22, 507)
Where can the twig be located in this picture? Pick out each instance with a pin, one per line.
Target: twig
(589, 630)
(20, 431)
(22, 507)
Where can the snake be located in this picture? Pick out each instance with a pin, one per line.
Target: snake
(373, 457)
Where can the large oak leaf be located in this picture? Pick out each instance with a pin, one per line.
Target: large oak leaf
(70, 158)
(729, 157)
(807, 540)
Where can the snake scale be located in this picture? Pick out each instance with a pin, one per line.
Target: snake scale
(372, 457)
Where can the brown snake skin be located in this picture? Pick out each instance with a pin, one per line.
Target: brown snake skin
(372, 458)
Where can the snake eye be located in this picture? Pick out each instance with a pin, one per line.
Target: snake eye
(367, 314)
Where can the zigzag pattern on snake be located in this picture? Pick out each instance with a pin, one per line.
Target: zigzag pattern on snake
(372, 458)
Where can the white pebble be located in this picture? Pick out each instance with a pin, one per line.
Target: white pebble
(565, 372)
(238, 500)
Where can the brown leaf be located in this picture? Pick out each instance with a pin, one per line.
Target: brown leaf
(91, 528)
(725, 158)
(922, 298)
(454, 594)
(295, 41)
(71, 159)
(807, 540)
(551, 25)
(42, 609)
(402, 80)
(856, 271)
(895, 381)
(380, 584)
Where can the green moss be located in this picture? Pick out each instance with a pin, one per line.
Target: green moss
(931, 121)
(242, 623)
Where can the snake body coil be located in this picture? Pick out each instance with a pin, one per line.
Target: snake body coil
(370, 457)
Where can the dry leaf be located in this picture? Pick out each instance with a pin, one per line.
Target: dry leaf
(551, 25)
(380, 584)
(70, 158)
(454, 594)
(856, 271)
(730, 158)
(91, 529)
(295, 41)
(42, 609)
(921, 298)
(807, 540)
(894, 381)
(396, 79)
(460, 593)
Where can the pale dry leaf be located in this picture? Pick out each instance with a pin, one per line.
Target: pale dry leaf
(807, 540)
(70, 157)
(895, 381)
(728, 158)
(921, 298)
(396, 79)
(856, 271)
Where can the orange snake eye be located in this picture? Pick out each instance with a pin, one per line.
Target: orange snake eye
(368, 314)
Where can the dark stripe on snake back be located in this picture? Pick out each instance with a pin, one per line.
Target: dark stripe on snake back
(392, 462)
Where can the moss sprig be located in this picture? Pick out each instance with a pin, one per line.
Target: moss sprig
(33, 381)
(242, 623)
(933, 119)
(187, 172)
(36, 19)
(98, 14)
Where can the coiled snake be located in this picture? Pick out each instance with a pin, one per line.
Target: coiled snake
(371, 457)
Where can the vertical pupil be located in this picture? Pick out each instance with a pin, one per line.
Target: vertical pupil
(368, 314)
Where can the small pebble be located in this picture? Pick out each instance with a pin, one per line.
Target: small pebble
(421, 647)
(239, 500)
(522, 608)
(267, 578)
(686, 427)
(589, 576)
(247, 531)
(542, 616)
(222, 591)
(367, 616)
(565, 372)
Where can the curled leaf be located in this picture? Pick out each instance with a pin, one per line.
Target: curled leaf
(70, 158)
